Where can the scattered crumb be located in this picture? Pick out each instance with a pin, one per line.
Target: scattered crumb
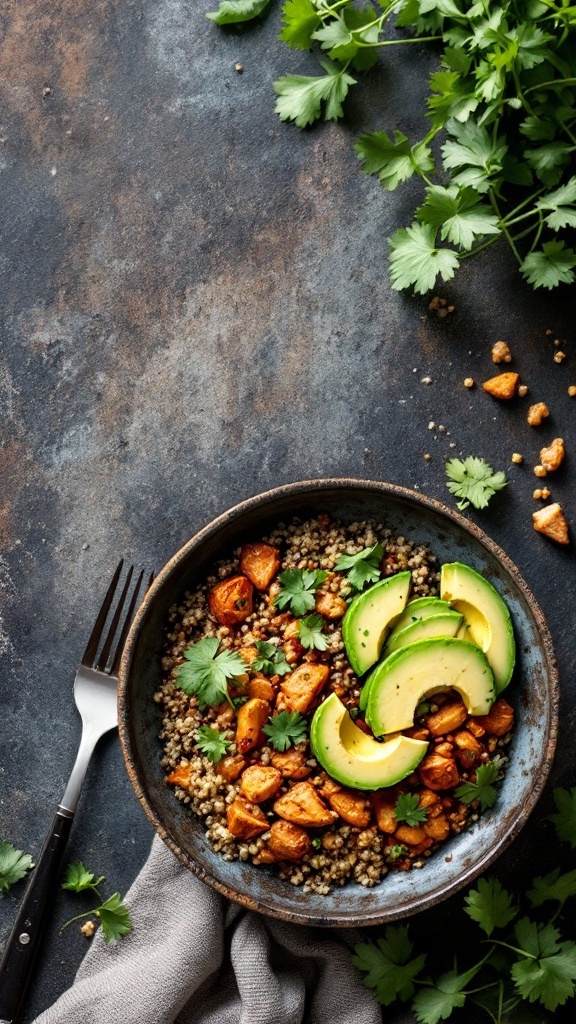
(239, 68)
(469, 382)
(572, 390)
(536, 413)
(426, 380)
(501, 353)
(553, 456)
(541, 492)
(441, 428)
(46, 91)
(559, 357)
(88, 929)
(517, 458)
(548, 332)
(503, 387)
(440, 306)
(431, 425)
(552, 523)
(427, 457)
(523, 390)
(539, 471)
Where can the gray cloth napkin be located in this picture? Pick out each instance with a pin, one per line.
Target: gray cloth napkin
(194, 958)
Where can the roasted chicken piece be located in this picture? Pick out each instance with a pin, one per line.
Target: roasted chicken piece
(447, 719)
(288, 841)
(245, 821)
(260, 782)
(259, 562)
(231, 600)
(231, 767)
(260, 686)
(467, 749)
(252, 716)
(291, 763)
(499, 719)
(384, 802)
(303, 806)
(303, 685)
(352, 806)
(330, 605)
(438, 772)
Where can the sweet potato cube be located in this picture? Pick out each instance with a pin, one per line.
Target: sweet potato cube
(231, 600)
(252, 716)
(260, 782)
(352, 806)
(303, 685)
(438, 772)
(551, 521)
(260, 686)
(180, 776)
(437, 828)
(288, 841)
(260, 563)
(302, 806)
(412, 835)
(245, 822)
(467, 749)
(499, 719)
(330, 605)
(447, 719)
(383, 804)
(231, 767)
(291, 763)
(503, 386)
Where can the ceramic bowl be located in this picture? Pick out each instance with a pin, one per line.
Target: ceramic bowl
(533, 692)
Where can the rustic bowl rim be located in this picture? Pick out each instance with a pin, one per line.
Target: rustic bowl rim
(425, 503)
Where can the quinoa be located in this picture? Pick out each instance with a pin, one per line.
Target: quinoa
(344, 850)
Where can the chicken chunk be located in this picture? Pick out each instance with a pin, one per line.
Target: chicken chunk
(231, 767)
(330, 605)
(260, 782)
(288, 841)
(291, 763)
(260, 563)
(536, 413)
(245, 821)
(467, 749)
(412, 835)
(303, 685)
(438, 772)
(353, 807)
(499, 719)
(302, 806)
(384, 802)
(437, 828)
(231, 600)
(260, 686)
(252, 716)
(447, 719)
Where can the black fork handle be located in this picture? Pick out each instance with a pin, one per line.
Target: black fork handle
(19, 957)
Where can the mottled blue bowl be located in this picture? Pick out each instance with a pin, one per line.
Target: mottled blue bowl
(533, 692)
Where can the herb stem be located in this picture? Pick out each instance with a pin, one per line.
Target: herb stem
(87, 913)
(514, 949)
(505, 231)
(554, 83)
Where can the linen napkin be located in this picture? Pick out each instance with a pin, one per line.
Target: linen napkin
(195, 958)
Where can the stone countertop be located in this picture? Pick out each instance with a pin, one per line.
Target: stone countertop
(195, 307)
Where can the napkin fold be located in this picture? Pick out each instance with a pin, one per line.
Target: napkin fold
(195, 958)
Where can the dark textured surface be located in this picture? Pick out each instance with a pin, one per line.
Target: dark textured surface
(194, 307)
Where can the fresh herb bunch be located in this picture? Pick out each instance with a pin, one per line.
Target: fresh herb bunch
(112, 913)
(206, 670)
(502, 102)
(473, 481)
(363, 567)
(14, 865)
(524, 957)
(285, 729)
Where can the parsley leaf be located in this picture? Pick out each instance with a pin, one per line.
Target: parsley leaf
(565, 820)
(393, 161)
(554, 886)
(548, 972)
(298, 590)
(416, 260)
(14, 865)
(300, 97)
(387, 966)
(473, 481)
(285, 729)
(211, 743)
(549, 266)
(300, 19)
(114, 918)
(483, 788)
(396, 851)
(310, 633)
(459, 213)
(474, 153)
(562, 204)
(205, 672)
(232, 12)
(362, 567)
(78, 877)
(490, 905)
(407, 809)
(271, 660)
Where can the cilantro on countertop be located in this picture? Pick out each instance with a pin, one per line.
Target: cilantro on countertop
(473, 481)
(565, 818)
(271, 659)
(408, 811)
(285, 729)
(388, 965)
(298, 589)
(233, 12)
(14, 865)
(310, 633)
(112, 912)
(483, 789)
(211, 743)
(206, 671)
(362, 567)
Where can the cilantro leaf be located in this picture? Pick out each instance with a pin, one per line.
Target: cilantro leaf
(393, 161)
(552, 265)
(300, 19)
(565, 820)
(232, 12)
(562, 204)
(416, 260)
(14, 865)
(310, 633)
(459, 213)
(453, 96)
(362, 567)
(285, 729)
(435, 1001)
(474, 153)
(271, 660)
(407, 809)
(483, 788)
(298, 589)
(473, 481)
(387, 966)
(549, 160)
(490, 905)
(396, 851)
(300, 97)
(78, 877)
(205, 672)
(211, 743)
(554, 886)
(547, 973)
(114, 918)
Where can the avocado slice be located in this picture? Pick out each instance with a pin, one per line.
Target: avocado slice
(369, 618)
(400, 682)
(486, 617)
(446, 624)
(420, 608)
(355, 759)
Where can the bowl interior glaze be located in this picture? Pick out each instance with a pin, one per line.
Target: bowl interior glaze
(533, 692)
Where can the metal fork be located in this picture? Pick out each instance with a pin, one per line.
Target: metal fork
(95, 694)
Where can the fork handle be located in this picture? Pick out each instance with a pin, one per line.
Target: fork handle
(24, 940)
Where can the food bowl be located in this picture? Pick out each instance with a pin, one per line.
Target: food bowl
(533, 692)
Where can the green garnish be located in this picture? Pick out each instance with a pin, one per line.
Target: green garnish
(407, 809)
(206, 672)
(298, 590)
(310, 633)
(271, 660)
(285, 729)
(473, 481)
(233, 12)
(388, 965)
(565, 818)
(483, 789)
(362, 567)
(14, 865)
(112, 912)
(396, 851)
(211, 743)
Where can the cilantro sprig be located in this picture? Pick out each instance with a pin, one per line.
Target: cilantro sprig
(271, 660)
(285, 729)
(14, 865)
(473, 481)
(408, 811)
(298, 589)
(206, 670)
(484, 788)
(362, 567)
(211, 743)
(310, 633)
(112, 913)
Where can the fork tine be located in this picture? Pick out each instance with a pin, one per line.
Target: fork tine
(127, 622)
(105, 652)
(92, 645)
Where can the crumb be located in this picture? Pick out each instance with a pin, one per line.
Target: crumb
(427, 457)
(553, 456)
(523, 390)
(517, 458)
(548, 332)
(552, 523)
(536, 413)
(88, 929)
(469, 382)
(559, 357)
(503, 387)
(431, 425)
(572, 390)
(239, 68)
(501, 353)
(426, 380)
(539, 471)
(441, 428)
(541, 492)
